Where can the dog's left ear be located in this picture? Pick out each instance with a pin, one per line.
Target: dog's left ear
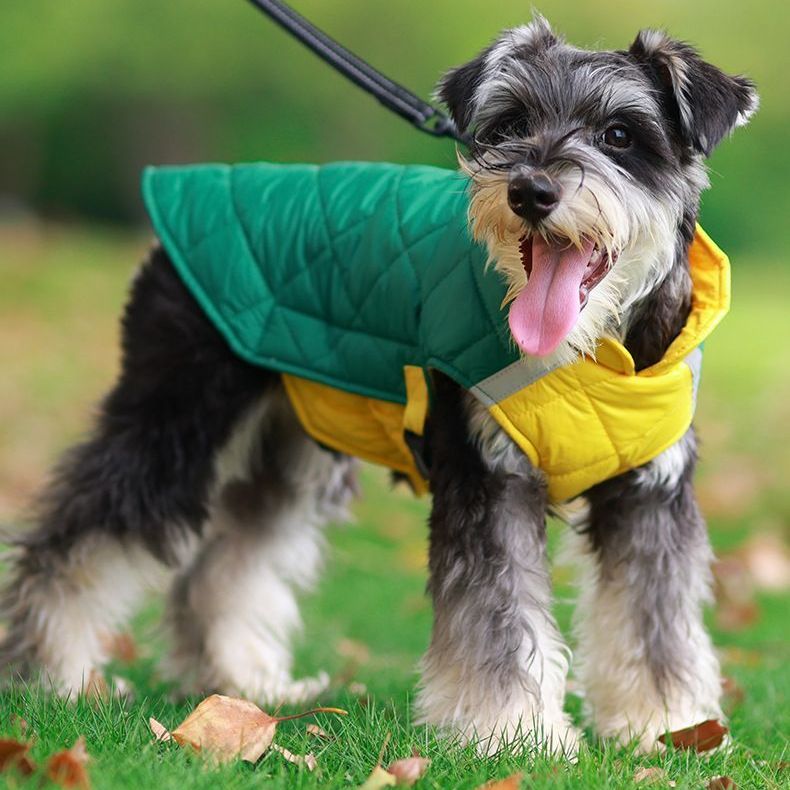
(708, 103)
(457, 89)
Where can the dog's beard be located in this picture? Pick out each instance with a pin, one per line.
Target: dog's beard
(604, 213)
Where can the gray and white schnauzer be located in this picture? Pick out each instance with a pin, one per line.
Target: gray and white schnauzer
(198, 465)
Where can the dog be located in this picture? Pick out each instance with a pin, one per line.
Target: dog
(198, 467)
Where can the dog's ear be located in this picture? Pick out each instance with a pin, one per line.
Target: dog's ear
(458, 89)
(707, 103)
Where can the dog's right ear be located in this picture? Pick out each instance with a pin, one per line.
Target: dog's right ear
(457, 89)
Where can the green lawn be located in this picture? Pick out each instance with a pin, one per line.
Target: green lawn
(369, 620)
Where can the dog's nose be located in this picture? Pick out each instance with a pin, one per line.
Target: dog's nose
(532, 194)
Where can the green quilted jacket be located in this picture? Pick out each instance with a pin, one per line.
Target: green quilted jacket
(342, 273)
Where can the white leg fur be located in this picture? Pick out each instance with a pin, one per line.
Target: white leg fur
(235, 610)
(241, 596)
(620, 692)
(73, 610)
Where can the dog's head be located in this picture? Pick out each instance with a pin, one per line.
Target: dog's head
(586, 172)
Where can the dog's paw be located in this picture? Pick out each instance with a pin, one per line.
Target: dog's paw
(292, 692)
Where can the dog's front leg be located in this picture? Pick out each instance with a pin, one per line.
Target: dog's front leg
(644, 657)
(495, 670)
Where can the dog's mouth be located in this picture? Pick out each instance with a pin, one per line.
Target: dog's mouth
(559, 280)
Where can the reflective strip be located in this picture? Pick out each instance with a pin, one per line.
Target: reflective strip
(509, 380)
(694, 361)
(523, 372)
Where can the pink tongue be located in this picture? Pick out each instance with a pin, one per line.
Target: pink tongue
(546, 310)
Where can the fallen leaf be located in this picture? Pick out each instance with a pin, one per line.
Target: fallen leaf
(736, 607)
(409, 769)
(358, 652)
(732, 693)
(509, 783)
(161, 733)
(721, 783)
(307, 760)
(317, 732)
(740, 656)
(767, 559)
(227, 728)
(731, 490)
(20, 723)
(67, 768)
(14, 756)
(653, 775)
(735, 617)
(96, 689)
(121, 647)
(378, 779)
(701, 737)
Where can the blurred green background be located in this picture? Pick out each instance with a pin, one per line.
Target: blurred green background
(91, 90)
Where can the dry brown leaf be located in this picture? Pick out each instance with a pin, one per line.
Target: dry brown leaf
(96, 689)
(68, 767)
(160, 732)
(307, 760)
(732, 693)
(378, 779)
(408, 770)
(740, 656)
(20, 723)
(227, 728)
(721, 783)
(701, 737)
(512, 782)
(732, 617)
(317, 732)
(14, 756)
(121, 646)
(736, 607)
(731, 490)
(767, 559)
(653, 775)
(358, 652)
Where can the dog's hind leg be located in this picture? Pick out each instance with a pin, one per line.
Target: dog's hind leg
(121, 503)
(495, 670)
(644, 658)
(234, 610)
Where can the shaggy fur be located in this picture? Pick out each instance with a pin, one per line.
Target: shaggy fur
(198, 467)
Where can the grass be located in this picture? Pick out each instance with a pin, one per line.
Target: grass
(370, 619)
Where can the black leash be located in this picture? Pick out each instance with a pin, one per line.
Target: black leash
(393, 96)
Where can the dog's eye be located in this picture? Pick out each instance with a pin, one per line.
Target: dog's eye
(617, 136)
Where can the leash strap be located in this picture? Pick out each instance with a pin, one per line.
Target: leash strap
(393, 96)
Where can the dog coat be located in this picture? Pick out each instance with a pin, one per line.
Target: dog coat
(355, 279)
